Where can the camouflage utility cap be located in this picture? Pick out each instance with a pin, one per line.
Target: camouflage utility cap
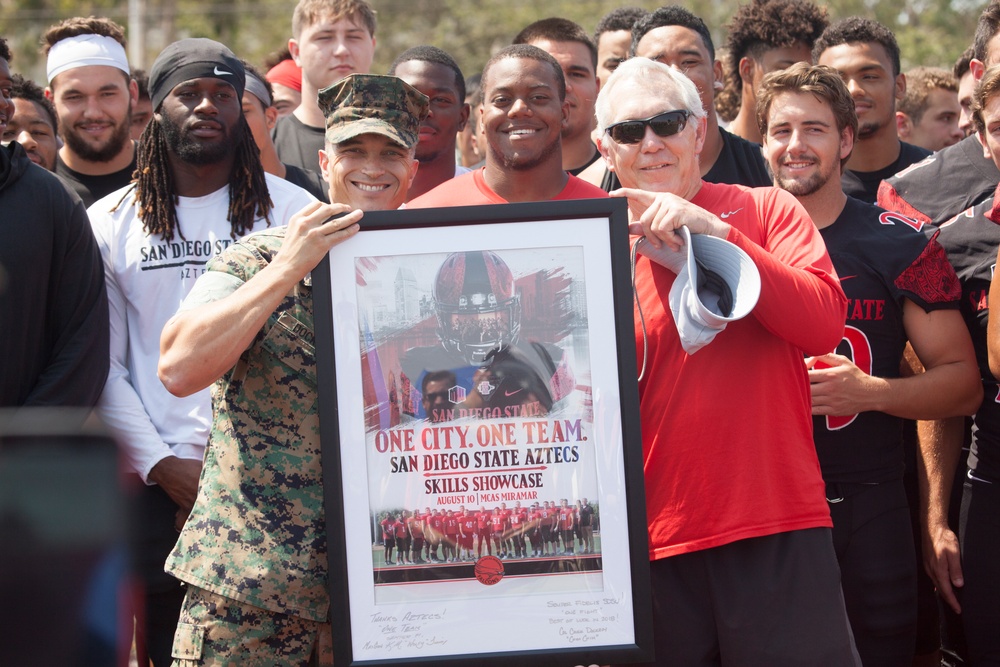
(370, 103)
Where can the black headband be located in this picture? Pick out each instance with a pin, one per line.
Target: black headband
(194, 59)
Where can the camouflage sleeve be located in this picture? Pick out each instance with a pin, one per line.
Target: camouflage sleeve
(224, 274)
(241, 260)
(211, 286)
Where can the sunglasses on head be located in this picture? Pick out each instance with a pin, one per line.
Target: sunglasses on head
(665, 124)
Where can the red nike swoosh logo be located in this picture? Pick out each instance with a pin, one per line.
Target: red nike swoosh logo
(843, 278)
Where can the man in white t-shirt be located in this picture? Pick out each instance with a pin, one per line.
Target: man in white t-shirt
(201, 186)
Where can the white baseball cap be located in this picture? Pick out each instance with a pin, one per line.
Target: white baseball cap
(717, 283)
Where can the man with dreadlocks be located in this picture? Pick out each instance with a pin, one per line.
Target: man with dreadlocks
(254, 548)
(200, 186)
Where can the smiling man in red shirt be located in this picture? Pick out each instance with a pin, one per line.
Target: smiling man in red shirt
(524, 112)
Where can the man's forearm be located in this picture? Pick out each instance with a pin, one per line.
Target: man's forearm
(199, 345)
(940, 448)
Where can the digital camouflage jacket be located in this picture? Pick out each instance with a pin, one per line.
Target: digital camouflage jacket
(257, 532)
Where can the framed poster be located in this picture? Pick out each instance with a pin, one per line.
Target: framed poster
(481, 449)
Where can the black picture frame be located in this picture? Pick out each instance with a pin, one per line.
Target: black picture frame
(551, 627)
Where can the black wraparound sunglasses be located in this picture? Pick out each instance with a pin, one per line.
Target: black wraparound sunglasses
(665, 124)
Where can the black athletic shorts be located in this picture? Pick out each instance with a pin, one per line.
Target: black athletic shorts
(772, 600)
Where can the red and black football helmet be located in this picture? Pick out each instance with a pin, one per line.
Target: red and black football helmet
(478, 307)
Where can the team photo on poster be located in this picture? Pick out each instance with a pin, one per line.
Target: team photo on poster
(478, 413)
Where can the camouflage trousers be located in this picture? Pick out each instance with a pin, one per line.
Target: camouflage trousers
(216, 631)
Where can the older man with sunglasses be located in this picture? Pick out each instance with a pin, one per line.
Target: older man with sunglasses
(742, 560)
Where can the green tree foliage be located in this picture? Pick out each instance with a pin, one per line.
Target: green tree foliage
(930, 32)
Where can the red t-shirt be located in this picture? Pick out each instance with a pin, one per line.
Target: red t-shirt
(499, 522)
(471, 190)
(727, 431)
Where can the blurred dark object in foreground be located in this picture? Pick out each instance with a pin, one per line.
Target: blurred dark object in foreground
(63, 595)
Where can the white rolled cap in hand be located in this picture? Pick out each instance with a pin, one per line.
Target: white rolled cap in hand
(717, 283)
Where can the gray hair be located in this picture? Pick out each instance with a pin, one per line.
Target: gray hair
(658, 79)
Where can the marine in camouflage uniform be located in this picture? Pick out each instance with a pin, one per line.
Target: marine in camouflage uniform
(257, 532)
(254, 549)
